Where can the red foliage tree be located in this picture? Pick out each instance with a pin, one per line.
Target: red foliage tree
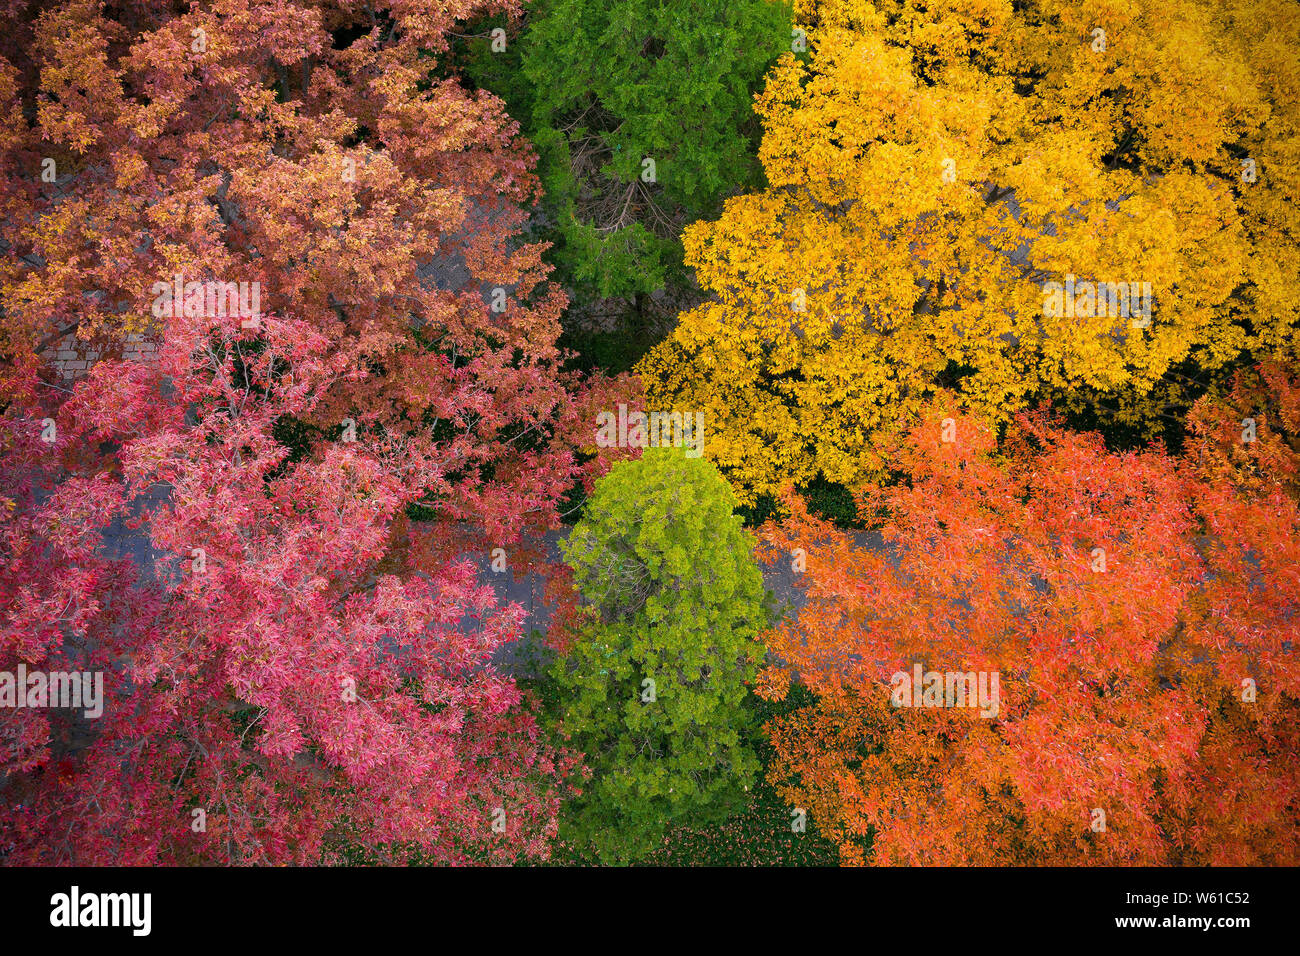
(308, 673)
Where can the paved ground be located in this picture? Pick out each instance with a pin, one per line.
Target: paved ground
(526, 591)
(517, 658)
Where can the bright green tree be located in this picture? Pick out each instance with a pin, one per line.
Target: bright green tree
(654, 691)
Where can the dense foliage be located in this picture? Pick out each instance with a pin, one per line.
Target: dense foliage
(1137, 615)
(932, 168)
(654, 689)
(983, 314)
(257, 711)
(641, 115)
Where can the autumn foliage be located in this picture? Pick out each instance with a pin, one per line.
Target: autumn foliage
(1140, 615)
(931, 167)
(304, 673)
(268, 530)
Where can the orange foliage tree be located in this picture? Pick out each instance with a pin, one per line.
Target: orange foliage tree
(1138, 613)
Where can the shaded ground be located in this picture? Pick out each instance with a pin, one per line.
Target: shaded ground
(518, 658)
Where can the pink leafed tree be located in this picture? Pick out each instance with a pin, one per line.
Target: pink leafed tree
(303, 674)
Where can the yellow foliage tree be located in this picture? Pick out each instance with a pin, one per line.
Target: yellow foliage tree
(1008, 200)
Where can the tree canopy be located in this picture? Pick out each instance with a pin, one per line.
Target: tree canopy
(653, 691)
(933, 169)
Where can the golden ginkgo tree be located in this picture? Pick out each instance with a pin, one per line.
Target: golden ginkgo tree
(1067, 198)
